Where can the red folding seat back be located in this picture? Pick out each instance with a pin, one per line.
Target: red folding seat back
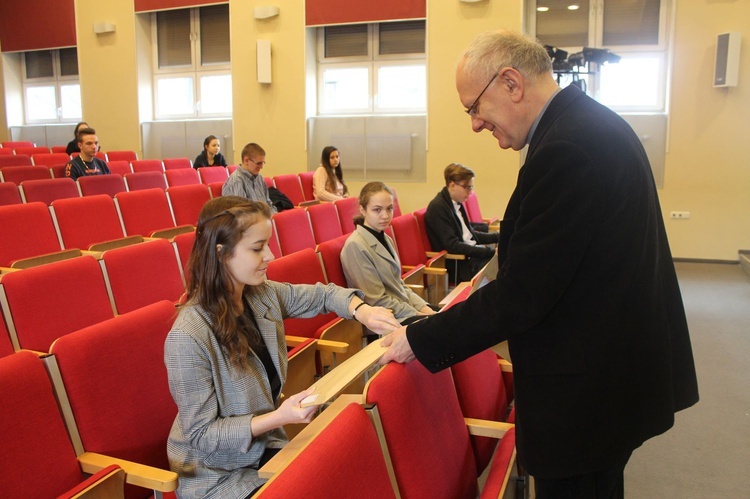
(354, 463)
(4, 151)
(330, 254)
(425, 431)
(15, 160)
(143, 212)
(27, 231)
(6, 347)
(91, 185)
(481, 395)
(231, 168)
(147, 165)
(121, 156)
(12, 144)
(145, 180)
(187, 201)
(176, 163)
(35, 444)
(209, 174)
(273, 243)
(419, 215)
(9, 194)
(293, 230)
(49, 301)
(18, 174)
(306, 179)
(325, 222)
(50, 159)
(87, 220)
(290, 185)
(142, 274)
(59, 149)
(347, 208)
(48, 190)
(215, 188)
(116, 382)
(410, 247)
(268, 181)
(120, 167)
(31, 151)
(182, 176)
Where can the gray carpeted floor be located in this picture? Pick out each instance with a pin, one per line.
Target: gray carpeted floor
(707, 452)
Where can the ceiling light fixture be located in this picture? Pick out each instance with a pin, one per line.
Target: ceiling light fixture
(542, 9)
(573, 7)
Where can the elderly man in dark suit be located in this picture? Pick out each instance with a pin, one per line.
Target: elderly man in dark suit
(586, 294)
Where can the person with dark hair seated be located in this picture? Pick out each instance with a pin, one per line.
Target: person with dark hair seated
(210, 156)
(86, 163)
(328, 179)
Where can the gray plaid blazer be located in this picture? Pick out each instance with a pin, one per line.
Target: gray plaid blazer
(211, 445)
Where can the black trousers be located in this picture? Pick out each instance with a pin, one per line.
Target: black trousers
(602, 484)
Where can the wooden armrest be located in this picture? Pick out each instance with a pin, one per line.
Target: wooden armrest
(323, 345)
(291, 450)
(171, 232)
(135, 474)
(435, 271)
(34, 261)
(106, 483)
(418, 289)
(309, 203)
(437, 260)
(448, 256)
(505, 366)
(7, 270)
(95, 254)
(484, 428)
(116, 243)
(330, 385)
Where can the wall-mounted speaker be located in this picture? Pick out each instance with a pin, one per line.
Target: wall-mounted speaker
(263, 51)
(727, 65)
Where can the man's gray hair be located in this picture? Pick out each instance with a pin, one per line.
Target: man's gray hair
(493, 50)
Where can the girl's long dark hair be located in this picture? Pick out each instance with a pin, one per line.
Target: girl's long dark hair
(210, 285)
(333, 173)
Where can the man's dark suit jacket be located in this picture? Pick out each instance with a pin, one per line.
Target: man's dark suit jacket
(445, 233)
(586, 295)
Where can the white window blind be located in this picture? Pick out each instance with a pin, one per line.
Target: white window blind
(173, 38)
(214, 27)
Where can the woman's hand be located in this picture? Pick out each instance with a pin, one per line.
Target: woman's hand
(288, 412)
(377, 319)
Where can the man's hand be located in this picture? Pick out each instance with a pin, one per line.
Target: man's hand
(399, 349)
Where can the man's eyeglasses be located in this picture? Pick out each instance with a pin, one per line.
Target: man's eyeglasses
(468, 187)
(259, 163)
(472, 111)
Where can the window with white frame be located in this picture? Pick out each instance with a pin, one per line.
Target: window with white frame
(633, 30)
(52, 93)
(192, 65)
(373, 68)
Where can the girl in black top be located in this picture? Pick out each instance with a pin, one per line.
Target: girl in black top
(210, 155)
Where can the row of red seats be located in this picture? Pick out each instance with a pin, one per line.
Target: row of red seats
(9, 148)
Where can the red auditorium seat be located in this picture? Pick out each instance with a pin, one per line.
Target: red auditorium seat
(114, 381)
(6, 152)
(48, 190)
(330, 255)
(15, 160)
(36, 446)
(18, 174)
(145, 180)
(475, 213)
(215, 188)
(187, 201)
(293, 230)
(182, 176)
(147, 213)
(31, 151)
(50, 159)
(306, 180)
(57, 149)
(176, 163)
(6, 347)
(325, 222)
(142, 274)
(121, 167)
(121, 156)
(27, 231)
(209, 174)
(18, 143)
(290, 185)
(43, 303)
(347, 209)
(430, 449)
(183, 244)
(91, 185)
(88, 221)
(9, 194)
(147, 165)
